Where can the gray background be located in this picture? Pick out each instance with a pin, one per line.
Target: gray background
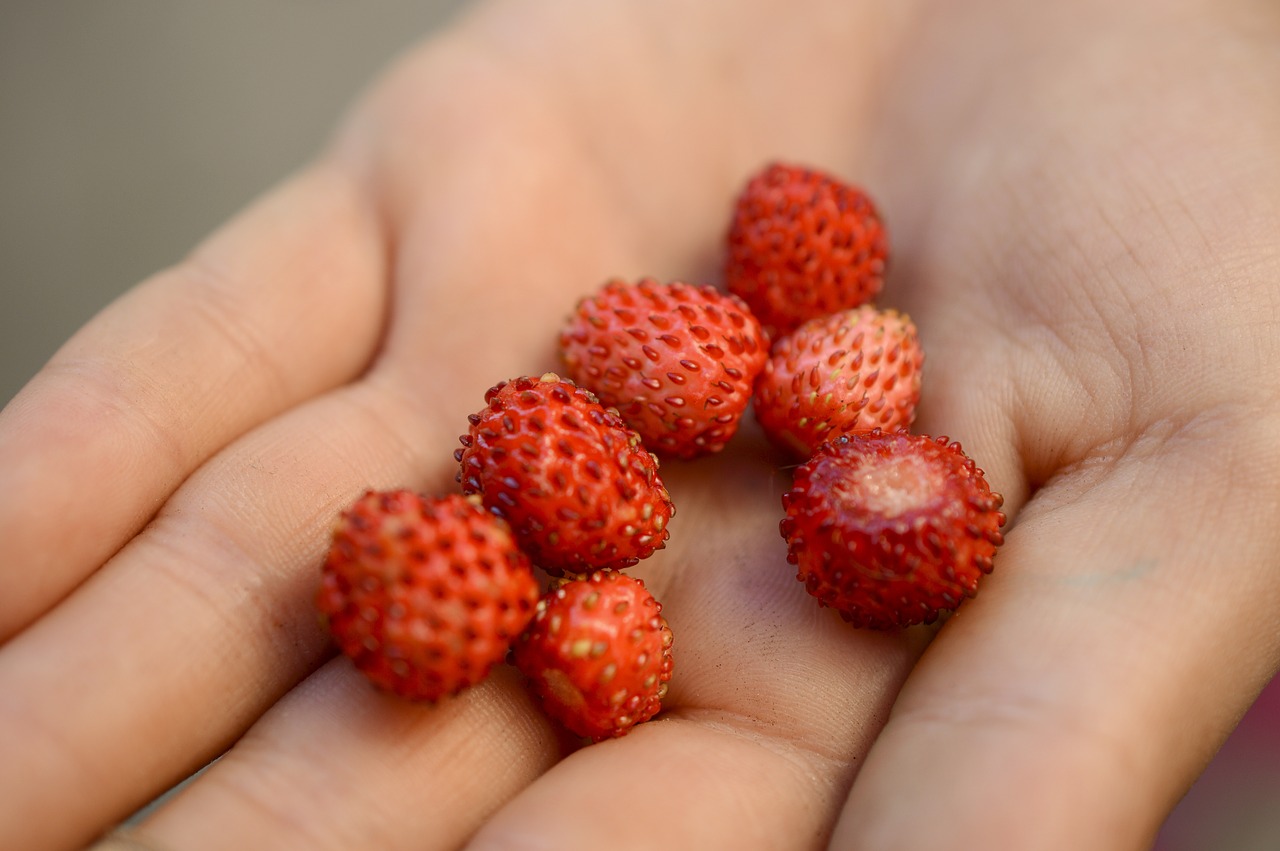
(130, 128)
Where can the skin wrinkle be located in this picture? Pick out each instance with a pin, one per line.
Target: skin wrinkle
(292, 746)
(825, 768)
(772, 735)
(1188, 432)
(1041, 460)
(1126, 458)
(288, 765)
(175, 547)
(1033, 718)
(217, 520)
(1134, 363)
(1026, 711)
(94, 390)
(252, 790)
(743, 802)
(1131, 350)
(224, 309)
(278, 627)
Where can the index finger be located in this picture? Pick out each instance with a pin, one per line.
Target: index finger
(283, 303)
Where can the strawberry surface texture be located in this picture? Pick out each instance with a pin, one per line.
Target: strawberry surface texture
(578, 487)
(802, 244)
(849, 372)
(678, 361)
(891, 529)
(597, 654)
(425, 595)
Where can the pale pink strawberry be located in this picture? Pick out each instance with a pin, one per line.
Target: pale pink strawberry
(846, 373)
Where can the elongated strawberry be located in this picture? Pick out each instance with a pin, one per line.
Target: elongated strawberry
(846, 373)
(677, 361)
(577, 486)
(597, 654)
(891, 529)
(803, 244)
(425, 595)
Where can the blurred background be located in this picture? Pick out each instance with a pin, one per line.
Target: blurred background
(130, 128)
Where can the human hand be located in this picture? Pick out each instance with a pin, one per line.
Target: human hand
(1082, 206)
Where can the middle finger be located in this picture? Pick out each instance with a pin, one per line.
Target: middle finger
(201, 622)
(338, 765)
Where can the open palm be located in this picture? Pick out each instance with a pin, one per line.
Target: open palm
(1084, 208)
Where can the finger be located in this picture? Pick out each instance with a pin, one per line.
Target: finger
(282, 304)
(338, 765)
(168, 653)
(772, 701)
(1095, 673)
(678, 783)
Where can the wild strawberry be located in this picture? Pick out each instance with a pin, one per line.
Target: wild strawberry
(676, 360)
(577, 486)
(891, 529)
(848, 372)
(597, 654)
(425, 595)
(803, 244)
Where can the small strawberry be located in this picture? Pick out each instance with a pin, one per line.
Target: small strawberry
(425, 595)
(891, 529)
(848, 372)
(577, 486)
(597, 654)
(677, 361)
(803, 244)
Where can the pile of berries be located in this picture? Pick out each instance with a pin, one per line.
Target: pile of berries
(427, 594)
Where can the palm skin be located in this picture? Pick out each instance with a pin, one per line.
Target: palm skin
(1083, 205)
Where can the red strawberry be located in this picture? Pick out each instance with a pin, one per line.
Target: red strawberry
(597, 654)
(891, 529)
(848, 372)
(803, 244)
(676, 360)
(425, 595)
(577, 486)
